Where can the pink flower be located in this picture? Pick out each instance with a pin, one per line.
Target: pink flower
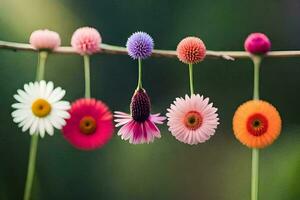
(191, 50)
(86, 40)
(44, 39)
(90, 125)
(192, 120)
(139, 127)
(257, 43)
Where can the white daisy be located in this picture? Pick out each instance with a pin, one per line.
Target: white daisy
(40, 108)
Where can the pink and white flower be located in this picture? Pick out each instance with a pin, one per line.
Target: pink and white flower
(86, 40)
(44, 39)
(192, 120)
(139, 126)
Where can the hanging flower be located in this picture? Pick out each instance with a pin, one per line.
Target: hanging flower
(139, 127)
(257, 43)
(86, 40)
(44, 39)
(140, 45)
(256, 124)
(191, 50)
(192, 120)
(40, 108)
(90, 125)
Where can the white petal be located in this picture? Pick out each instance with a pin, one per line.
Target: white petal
(20, 113)
(49, 89)
(62, 105)
(62, 114)
(42, 127)
(23, 95)
(42, 89)
(20, 105)
(19, 99)
(34, 126)
(28, 89)
(57, 95)
(49, 127)
(22, 123)
(19, 119)
(27, 124)
(56, 121)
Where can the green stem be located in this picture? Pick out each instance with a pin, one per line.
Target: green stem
(256, 61)
(31, 166)
(255, 152)
(191, 78)
(139, 86)
(87, 75)
(40, 71)
(254, 177)
(35, 138)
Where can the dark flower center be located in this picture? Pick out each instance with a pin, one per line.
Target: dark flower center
(257, 124)
(193, 120)
(140, 106)
(87, 125)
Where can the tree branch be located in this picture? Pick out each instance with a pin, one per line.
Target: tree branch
(111, 49)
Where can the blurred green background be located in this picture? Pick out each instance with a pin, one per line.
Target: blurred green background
(167, 169)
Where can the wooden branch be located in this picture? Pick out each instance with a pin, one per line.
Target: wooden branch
(111, 49)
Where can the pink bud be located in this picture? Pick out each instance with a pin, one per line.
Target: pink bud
(44, 39)
(257, 43)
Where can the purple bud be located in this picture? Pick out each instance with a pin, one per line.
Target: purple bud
(140, 106)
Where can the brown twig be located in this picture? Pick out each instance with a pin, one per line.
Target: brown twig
(111, 49)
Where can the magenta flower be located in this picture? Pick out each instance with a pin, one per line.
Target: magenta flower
(86, 40)
(192, 120)
(140, 45)
(139, 126)
(44, 39)
(90, 125)
(257, 43)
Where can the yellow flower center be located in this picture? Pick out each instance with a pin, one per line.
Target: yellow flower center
(87, 125)
(41, 108)
(192, 120)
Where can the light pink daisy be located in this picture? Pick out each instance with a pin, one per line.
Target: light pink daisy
(86, 40)
(44, 39)
(192, 120)
(90, 125)
(139, 126)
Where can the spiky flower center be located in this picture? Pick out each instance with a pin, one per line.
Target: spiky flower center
(41, 108)
(192, 120)
(87, 125)
(257, 124)
(140, 106)
(192, 54)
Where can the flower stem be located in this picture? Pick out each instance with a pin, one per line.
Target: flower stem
(35, 138)
(254, 177)
(255, 152)
(139, 86)
(87, 75)
(256, 62)
(191, 78)
(31, 166)
(40, 71)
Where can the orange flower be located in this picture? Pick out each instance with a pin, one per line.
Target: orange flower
(256, 124)
(191, 50)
